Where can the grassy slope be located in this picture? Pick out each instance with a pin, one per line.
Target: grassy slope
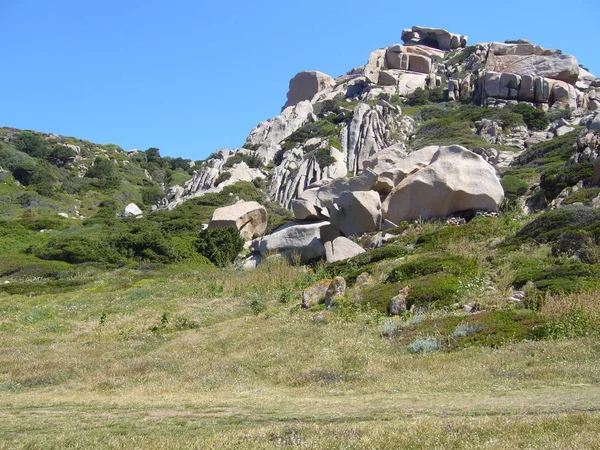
(231, 366)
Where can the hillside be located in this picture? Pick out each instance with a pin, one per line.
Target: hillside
(408, 255)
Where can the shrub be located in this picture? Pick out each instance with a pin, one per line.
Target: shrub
(423, 345)
(534, 118)
(321, 128)
(514, 186)
(323, 157)
(151, 195)
(575, 324)
(32, 144)
(554, 180)
(463, 330)
(419, 97)
(253, 160)
(423, 266)
(60, 155)
(220, 245)
(223, 176)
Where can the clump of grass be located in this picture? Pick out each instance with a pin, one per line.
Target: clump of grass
(464, 329)
(390, 328)
(423, 345)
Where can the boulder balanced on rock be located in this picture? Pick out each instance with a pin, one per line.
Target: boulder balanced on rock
(250, 218)
(305, 85)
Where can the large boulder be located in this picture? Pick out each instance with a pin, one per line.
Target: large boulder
(305, 85)
(341, 248)
(356, 213)
(304, 239)
(434, 37)
(132, 210)
(250, 218)
(455, 180)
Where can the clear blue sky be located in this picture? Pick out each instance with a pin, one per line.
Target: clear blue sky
(189, 77)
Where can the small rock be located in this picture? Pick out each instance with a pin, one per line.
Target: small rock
(335, 291)
(364, 279)
(398, 303)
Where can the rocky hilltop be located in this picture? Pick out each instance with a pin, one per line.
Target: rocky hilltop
(362, 152)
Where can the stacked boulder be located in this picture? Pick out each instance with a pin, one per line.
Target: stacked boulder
(394, 186)
(250, 218)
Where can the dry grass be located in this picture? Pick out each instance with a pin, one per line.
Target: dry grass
(234, 376)
(563, 304)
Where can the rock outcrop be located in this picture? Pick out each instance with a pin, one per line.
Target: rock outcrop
(343, 147)
(305, 85)
(250, 218)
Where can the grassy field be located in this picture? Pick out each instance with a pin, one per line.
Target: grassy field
(181, 357)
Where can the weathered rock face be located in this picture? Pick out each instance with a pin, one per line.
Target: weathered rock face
(268, 134)
(305, 85)
(304, 239)
(554, 65)
(371, 129)
(132, 210)
(341, 248)
(434, 37)
(250, 218)
(455, 180)
(510, 86)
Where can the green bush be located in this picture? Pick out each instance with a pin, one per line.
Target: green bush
(223, 176)
(554, 180)
(418, 98)
(547, 227)
(534, 118)
(323, 157)
(60, 155)
(423, 265)
(573, 325)
(220, 245)
(32, 144)
(321, 128)
(514, 186)
(253, 160)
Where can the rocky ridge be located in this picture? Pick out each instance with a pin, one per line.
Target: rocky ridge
(344, 147)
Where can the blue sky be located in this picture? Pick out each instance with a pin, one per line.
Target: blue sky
(190, 77)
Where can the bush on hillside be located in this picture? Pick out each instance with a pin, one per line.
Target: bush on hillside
(514, 186)
(534, 118)
(220, 245)
(32, 144)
